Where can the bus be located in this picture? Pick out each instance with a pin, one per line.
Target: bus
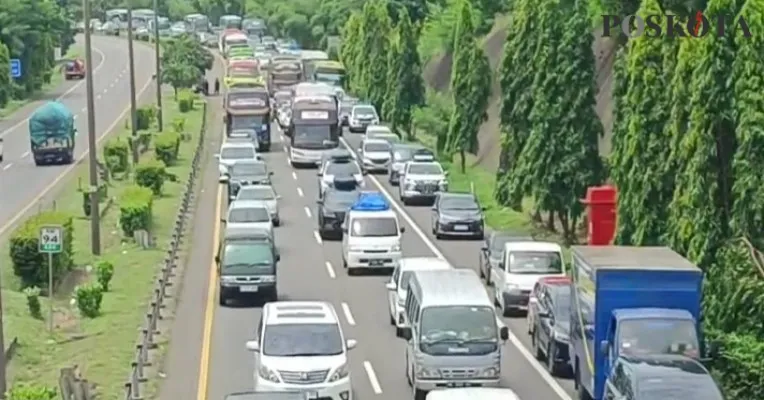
(331, 72)
(314, 130)
(243, 69)
(231, 37)
(197, 22)
(309, 59)
(230, 22)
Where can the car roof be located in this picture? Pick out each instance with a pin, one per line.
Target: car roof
(414, 162)
(364, 105)
(247, 204)
(473, 393)
(254, 187)
(375, 141)
(453, 287)
(454, 195)
(533, 246)
(248, 235)
(423, 263)
(238, 144)
(378, 128)
(299, 312)
(252, 161)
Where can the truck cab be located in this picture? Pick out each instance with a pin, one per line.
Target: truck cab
(74, 69)
(630, 301)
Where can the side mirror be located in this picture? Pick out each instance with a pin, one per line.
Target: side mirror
(278, 256)
(483, 208)
(403, 229)
(217, 259)
(278, 197)
(391, 286)
(319, 174)
(217, 156)
(434, 208)
(360, 150)
(270, 173)
(603, 346)
(365, 172)
(532, 300)
(484, 247)
(223, 220)
(319, 202)
(445, 173)
(224, 179)
(344, 228)
(501, 264)
(406, 333)
(351, 343)
(543, 315)
(253, 345)
(504, 333)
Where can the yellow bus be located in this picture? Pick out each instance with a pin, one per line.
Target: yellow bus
(243, 82)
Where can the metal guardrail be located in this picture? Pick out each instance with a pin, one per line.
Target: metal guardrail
(146, 342)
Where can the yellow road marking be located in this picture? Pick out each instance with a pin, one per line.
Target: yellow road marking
(209, 312)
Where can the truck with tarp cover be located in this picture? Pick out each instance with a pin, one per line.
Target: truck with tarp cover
(52, 133)
(282, 74)
(249, 109)
(314, 130)
(243, 69)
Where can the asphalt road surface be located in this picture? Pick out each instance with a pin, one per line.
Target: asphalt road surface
(24, 184)
(311, 269)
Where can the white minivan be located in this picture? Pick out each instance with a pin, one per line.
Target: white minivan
(481, 393)
(398, 286)
(524, 263)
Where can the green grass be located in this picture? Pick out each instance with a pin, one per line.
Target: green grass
(56, 79)
(103, 347)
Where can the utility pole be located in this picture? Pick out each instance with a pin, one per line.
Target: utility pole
(133, 105)
(95, 215)
(158, 66)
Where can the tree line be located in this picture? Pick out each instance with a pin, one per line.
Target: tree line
(29, 31)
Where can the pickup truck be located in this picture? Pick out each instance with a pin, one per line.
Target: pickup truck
(74, 69)
(630, 301)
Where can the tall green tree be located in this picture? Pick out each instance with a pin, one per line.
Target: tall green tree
(407, 82)
(377, 29)
(350, 52)
(389, 106)
(748, 111)
(644, 193)
(700, 210)
(516, 80)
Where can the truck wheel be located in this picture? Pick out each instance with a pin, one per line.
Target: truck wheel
(38, 162)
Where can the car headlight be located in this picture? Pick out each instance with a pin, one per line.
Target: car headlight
(228, 279)
(395, 248)
(512, 287)
(426, 373)
(268, 374)
(410, 185)
(491, 372)
(268, 279)
(341, 372)
(355, 248)
(559, 336)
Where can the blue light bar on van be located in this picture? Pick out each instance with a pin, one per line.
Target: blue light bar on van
(371, 201)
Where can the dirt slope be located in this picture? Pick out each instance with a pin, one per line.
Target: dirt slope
(437, 72)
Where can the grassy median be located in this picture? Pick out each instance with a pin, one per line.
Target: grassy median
(103, 347)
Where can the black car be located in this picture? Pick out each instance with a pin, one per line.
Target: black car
(247, 173)
(492, 251)
(331, 211)
(457, 214)
(549, 322)
(247, 264)
(655, 376)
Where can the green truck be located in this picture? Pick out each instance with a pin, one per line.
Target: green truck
(51, 134)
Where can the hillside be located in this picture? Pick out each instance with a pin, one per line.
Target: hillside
(437, 72)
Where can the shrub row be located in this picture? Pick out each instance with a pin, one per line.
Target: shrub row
(167, 147)
(739, 366)
(144, 117)
(186, 99)
(135, 212)
(151, 174)
(116, 153)
(29, 264)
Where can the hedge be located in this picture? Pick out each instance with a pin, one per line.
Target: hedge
(29, 264)
(151, 174)
(135, 209)
(167, 147)
(186, 100)
(739, 366)
(144, 117)
(117, 155)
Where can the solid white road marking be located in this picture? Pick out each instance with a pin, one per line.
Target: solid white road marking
(7, 166)
(429, 243)
(307, 212)
(300, 193)
(372, 377)
(318, 237)
(330, 270)
(348, 314)
(294, 175)
(26, 153)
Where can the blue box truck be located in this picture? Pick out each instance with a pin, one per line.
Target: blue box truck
(630, 300)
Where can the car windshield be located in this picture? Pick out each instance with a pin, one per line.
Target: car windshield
(535, 262)
(340, 199)
(311, 134)
(364, 112)
(458, 330)
(241, 257)
(248, 121)
(295, 340)
(403, 153)
(375, 227)
(248, 169)
(562, 304)
(257, 193)
(658, 336)
(237, 153)
(463, 203)
(342, 169)
(376, 147)
(405, 279)
(248, 215)
(377, 130)
(425, 169)
(498, 242)
(678, 386)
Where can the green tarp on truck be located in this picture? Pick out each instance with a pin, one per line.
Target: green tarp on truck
(51, 134)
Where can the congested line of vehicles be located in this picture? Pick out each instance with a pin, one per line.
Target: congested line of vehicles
(622, 322)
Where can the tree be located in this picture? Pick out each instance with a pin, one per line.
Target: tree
(184, 62)
(700, 208)
(180, 76)
(389, 106)
(350, 51)
(376, 31)
(748, 102)
(517, 100)
(644, 191)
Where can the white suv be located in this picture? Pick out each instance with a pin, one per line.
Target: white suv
(289, 358)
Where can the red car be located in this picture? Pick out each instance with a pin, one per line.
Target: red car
(74, 69)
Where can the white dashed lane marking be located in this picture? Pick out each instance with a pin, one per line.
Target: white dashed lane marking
(318, 237)
(348, 314)
(330, 270)
(307, 212)
(372, 377)
(300, 193)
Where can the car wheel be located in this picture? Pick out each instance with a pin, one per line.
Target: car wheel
(438, 235)
(537, 347)
(551, 365)
(222, 300)
(481, 266)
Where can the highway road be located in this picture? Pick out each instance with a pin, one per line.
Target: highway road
(311, 269)
(24, 184)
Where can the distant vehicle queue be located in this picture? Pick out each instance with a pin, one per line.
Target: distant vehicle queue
(622, 322)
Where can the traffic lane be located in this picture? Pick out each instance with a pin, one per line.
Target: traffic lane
(112, 98)
(464, 254)
(301, 276)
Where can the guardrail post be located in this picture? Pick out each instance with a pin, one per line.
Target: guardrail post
(136, 386)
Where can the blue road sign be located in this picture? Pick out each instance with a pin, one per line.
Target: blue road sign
(15, 68)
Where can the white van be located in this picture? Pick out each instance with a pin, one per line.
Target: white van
(524, 263)
(371, 235)
(454, 338)
(398, 287)
(473, 394)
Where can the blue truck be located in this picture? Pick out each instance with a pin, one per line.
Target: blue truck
(630, 301)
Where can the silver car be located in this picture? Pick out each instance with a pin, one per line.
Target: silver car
(375, 155)
(265, 195)
(248, 216)
(233, 152)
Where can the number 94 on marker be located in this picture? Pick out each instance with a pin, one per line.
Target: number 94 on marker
(51, 239)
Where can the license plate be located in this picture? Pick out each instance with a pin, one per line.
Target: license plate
(461, 227)
(312, 395)
(456, 384)
(376, 262)
(248, 289)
